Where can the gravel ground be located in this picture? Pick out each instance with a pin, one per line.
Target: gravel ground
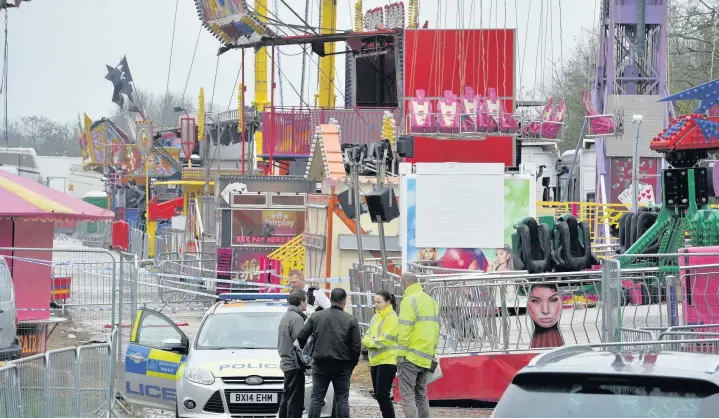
(363, 405)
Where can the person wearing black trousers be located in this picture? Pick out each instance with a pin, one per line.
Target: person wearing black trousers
(381, 342)
(293, 395)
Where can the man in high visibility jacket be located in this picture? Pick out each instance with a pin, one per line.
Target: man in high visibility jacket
(418, 339)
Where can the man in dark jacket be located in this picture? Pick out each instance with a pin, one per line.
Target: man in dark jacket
(293, 397)
(337, 347)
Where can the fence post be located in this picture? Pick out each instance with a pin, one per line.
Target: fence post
(111, 377)
(611, 301)
(46, 388)
(78, 388)
(672, 306)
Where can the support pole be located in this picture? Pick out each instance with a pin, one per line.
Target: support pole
(574, 162)
(206, 157)
(242, 109)
(641, 33)
(272, 116)
(637, 122)
(380, 167)
(358, 208)
(328, 240)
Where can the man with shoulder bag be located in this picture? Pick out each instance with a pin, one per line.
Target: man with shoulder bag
(337, 346)
(293, 396)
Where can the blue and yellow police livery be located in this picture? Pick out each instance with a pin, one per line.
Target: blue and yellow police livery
(230, 368)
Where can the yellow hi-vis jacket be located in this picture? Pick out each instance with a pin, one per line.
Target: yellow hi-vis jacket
(418, 326)
(381, 338)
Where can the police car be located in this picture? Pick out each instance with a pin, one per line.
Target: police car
(230, 368)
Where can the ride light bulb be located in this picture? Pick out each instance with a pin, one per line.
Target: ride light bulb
(190, 404)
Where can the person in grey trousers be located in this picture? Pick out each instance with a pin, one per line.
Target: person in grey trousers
(292, 403)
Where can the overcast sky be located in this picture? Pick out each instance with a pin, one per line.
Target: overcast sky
(58, 48)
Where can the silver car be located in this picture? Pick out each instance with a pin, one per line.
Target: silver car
(579, 381)
(229, 369)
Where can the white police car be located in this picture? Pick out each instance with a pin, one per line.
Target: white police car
(231, 367)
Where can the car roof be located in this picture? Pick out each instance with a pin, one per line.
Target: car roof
(585, 360)
(248, 307)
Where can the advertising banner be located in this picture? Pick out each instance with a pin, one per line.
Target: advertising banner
(519, 199)
(252, 227)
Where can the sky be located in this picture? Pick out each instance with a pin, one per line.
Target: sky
(58, 49)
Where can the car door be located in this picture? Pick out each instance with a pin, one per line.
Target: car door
(153, 361)
(8, 329)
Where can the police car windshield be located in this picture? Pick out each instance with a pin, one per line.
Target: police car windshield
(591, 396)
(239, 330)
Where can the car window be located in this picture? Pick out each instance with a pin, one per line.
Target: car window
(5, 283)
(239, 330)
(574, 395)
(154, 329)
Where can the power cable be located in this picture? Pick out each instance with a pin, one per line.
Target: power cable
(279, 61)
(169, 66)
(192, 62)
(214, 83)
(4, 81)
(304, 58)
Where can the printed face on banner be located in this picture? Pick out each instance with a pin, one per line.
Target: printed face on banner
(544, 305)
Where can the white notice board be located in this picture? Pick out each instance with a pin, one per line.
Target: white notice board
(460, 205)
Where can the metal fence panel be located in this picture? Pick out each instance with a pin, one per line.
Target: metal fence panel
(62, 383)
(83, 285)
(10, 395)
(93, 372)
(32, 381)
(69, 382)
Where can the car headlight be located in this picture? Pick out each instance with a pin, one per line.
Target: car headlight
(199, 376)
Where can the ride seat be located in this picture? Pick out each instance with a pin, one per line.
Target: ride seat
(535, 249)
(573, 253)
(598, 124)
(644, 222)
(623, 237)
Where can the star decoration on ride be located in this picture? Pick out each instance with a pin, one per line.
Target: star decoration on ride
(695, 131)
(120, 77)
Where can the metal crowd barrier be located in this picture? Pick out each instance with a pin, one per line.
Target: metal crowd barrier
(88, 233)
(63, 383)
(488, 312)
(83, 285)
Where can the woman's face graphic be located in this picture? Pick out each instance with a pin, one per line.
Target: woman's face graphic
(502, 255)
(429, 254)
(545, 306)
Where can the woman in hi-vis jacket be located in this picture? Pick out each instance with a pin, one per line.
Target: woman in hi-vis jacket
(381, 343)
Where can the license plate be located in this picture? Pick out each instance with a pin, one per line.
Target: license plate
(261, 398)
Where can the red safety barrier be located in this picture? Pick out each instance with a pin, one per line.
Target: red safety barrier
(289, 132)
(120, 235)
(61, 288)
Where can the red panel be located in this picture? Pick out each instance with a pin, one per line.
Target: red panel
(620, 175)
(120, 235)
(32, 269)
(439, 60)
(479, 377)
(488, 150)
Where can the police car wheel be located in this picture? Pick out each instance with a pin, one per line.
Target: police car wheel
(177, 411)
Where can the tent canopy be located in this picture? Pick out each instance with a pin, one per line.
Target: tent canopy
(23, 198)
